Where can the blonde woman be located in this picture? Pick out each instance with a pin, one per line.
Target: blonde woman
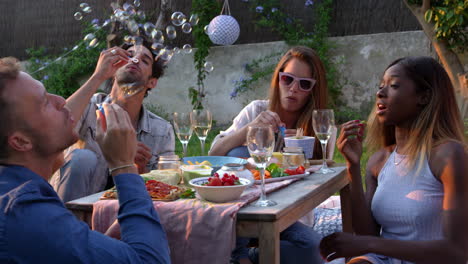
(417, 130)
(298, 86)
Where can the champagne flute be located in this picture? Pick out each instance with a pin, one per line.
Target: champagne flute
(201, 124)
(260, 143)
(323, 122)
(183, 128)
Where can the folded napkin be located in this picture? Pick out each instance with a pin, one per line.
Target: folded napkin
(198, 231)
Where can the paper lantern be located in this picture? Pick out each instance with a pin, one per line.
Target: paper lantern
(223, 30)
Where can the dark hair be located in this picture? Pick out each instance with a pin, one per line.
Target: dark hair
(9, 70)
(158, 64)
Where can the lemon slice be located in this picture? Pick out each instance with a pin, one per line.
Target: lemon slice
(206, 163)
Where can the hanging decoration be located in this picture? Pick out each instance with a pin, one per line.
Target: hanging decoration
(223, 29)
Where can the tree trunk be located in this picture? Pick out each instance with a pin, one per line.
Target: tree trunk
(448, 58)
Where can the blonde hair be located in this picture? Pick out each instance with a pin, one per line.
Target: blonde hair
(318, 96)
(9, 70)
(439, 120)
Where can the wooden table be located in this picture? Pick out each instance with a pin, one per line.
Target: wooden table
(294, 201)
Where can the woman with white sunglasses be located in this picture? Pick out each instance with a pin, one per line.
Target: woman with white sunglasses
(298, 86)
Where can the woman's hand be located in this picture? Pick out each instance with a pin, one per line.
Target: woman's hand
(350, 141)
(339, 245)
(268, 118)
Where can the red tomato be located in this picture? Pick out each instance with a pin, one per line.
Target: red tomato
(290, 172)
(300, 170)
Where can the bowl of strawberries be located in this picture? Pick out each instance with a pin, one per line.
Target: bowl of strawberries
(220, 188)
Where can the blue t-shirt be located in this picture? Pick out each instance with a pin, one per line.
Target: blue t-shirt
(35, 226)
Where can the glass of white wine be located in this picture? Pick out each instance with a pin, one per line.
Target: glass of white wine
(183, 128)
(323, 122)
(201, 123)
(260, 143)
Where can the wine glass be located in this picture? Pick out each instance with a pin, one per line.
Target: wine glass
(183, 128)
(201, 124)
(323, 122)
(260, 143)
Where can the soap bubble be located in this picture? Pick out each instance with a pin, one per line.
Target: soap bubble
(176, 50)
(127, 39)
(89, 37)
(91, 40)
(157, 36)
(106, 23)
(187, 49)
(186, 28)
(178, 18)
(141, 14)
(132, 26)
(208, 30)
(129, 9)
(148, 27)
(194, 19)
(86, 8)
(137, 40)
(137, 3)
(165, 54)
(208, 66)
(171, 32)
(93, 43)
(78, 16)
(157, 47)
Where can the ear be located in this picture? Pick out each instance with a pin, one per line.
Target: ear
(424, 98)
(20, 142)
(152, 83)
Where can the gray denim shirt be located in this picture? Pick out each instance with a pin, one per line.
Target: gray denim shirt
(152, 131)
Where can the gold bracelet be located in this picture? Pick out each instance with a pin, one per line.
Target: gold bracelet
(120, 167)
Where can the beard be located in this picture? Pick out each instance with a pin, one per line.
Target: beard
(130, 83)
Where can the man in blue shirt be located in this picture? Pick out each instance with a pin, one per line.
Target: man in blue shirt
(35, 226)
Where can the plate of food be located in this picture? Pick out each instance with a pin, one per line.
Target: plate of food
(159, 191)
(274, 172)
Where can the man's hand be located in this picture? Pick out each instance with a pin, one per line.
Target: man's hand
(142, 157)
(110, 61)
(118, 143)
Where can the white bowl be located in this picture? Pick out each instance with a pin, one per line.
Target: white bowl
(219, 194)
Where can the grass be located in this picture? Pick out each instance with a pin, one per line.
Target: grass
(194, 146)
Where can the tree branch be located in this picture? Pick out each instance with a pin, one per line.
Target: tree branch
(449, 59)
(426, 4)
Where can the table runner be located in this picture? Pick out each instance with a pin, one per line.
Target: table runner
(198, 231)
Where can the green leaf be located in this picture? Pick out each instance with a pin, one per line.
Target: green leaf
(428, 15)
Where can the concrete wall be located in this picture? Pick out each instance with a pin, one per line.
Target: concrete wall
(361, 60)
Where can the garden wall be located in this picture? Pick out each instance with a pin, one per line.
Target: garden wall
(361, 59)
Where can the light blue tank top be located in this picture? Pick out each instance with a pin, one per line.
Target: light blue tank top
(406, 205)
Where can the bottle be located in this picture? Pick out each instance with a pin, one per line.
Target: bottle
(293, 157)
(236, 169)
